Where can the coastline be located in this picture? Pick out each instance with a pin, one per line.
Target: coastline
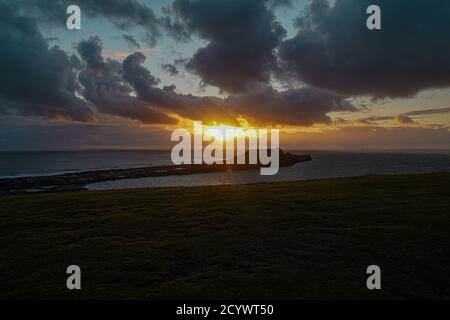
(274, 183)
(155, 171)
(77, 181)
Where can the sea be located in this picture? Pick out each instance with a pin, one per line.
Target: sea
(325, 164)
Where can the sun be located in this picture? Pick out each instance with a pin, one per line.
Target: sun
(222, 132)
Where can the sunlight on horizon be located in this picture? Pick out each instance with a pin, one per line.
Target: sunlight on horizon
(223, 132)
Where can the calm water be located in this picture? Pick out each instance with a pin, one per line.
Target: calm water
(16, 164)
(324, 165)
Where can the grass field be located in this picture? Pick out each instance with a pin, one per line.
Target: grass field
(310, 239)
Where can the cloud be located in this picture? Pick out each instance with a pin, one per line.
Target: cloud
(118, 134)
(104, 87)
(370, 138)
(304, 106)
(279, 3)
(125, 14)
(35, 134)
(242, 37)
(333, 49)
(170, 69)
(428, 112)
(36, 79)
(188, 106)
(43, 81)
(132, 42)
(405, 119)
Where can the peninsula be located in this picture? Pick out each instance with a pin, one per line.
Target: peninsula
(78, 181)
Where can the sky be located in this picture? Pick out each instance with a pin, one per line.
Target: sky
(138, 69)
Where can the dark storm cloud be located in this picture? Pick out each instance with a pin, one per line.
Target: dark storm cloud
(333, 48)
(264, 105)
(43, 81)
(242, 36)
(305, 106)
(125, 14)
(104, 87)
(91, 53)
(167, 99)
(35, 79)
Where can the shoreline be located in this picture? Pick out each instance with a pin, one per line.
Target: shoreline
(264, 183)
(85, 189)
(78, 181)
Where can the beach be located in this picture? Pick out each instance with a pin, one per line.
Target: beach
(291, 240)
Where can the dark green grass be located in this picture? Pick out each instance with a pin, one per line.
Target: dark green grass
(311, 239)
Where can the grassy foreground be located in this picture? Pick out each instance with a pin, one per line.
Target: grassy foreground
(311, 239)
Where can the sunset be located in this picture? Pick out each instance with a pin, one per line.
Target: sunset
(224, 157)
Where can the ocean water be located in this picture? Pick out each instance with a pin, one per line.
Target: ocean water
(23, 164)
(324, 165)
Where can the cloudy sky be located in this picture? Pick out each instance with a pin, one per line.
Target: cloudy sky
(138, 69)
